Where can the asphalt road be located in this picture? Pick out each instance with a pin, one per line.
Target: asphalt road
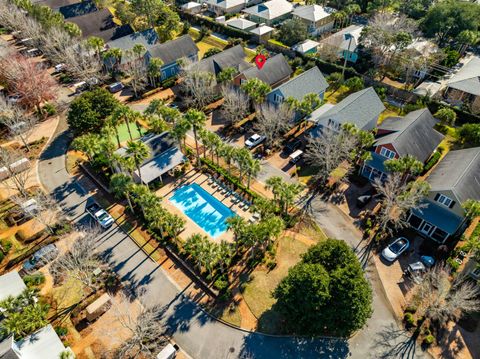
(198, 334)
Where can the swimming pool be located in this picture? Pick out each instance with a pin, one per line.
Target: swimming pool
(202, 208)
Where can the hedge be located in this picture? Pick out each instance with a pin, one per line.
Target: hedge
(215, 26)
(432, 161)
(232, 179)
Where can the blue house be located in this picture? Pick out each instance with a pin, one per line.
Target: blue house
(172, 51)
(345, 42)
(310, 81)
(453, 181)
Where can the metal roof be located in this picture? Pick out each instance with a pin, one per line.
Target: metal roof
(44, 344)
(313, 12)
(160, 165)
(240, 23)
(413, 134)
(310, 81)
(11, 284)
(467, 79)
(225, 4)
(271, 9)
(459, 172)
(275, 69)
(173, 50)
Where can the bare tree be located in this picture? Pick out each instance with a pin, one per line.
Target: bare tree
(81, 260)
(144, 328)
(273, 121)
(81, 62)
(398, 198)
(327, 151)
(199, 86)
(19, 123)
(15, 170)
(235, 105)
(441, 300)
(40, 206)
(135, 66)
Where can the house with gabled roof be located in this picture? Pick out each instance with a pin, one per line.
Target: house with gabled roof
(464, 86)
(171, 52)
(270, 13)
(11, 285)
(222, 7)
(100, 24)
(345, 42)
(274, 72)
(233, 57)
(396, 137)
(318, 19)
(361, 108)
(310, 81)
(241, 23)
(453, 181)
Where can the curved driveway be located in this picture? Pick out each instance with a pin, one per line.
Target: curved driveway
(196, 332)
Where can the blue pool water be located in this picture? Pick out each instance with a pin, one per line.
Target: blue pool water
(202, 208)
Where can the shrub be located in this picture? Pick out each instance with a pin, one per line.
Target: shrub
(61, 331)
(2, 256)
(432, 161)
(7, 245)
(409, 320)
(49, 109)
(453, 264)
(35, 279)
(65, 79)
(271, 263)
(428, 340)
(221, 283)
(169, 82)
(63, 228)
(411, 309)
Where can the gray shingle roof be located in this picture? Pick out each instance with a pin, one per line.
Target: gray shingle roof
(7, 349)
(358, 108)
(412, 135)
(275, 69)
(11, 284)
(468, 78)
(100, 24)
(313, 12)
(173, 50)
(310, 81)
(55, 4)
(78, 9)
(147, 38)
(459, 172)
(232, 57)
(44, 343)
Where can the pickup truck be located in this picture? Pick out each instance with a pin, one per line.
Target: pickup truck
(100, 215)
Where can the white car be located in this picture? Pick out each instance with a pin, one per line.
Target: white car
(395, 249)
(254, 140)
(59, 68)
(103, 218)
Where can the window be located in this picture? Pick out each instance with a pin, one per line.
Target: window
(439, 235)
(385, 152)
(444, 200)
(277, 98)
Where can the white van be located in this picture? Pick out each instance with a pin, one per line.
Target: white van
(169, 352)
(80, 86)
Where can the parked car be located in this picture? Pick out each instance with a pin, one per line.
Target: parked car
(102, 217)
(295, 156)
(33, 52)
(169, 352)
(80, 87)
(254, 140)
(13, 99)
(59, 68)
(115, 87)
(395, 249)
(40, 258)
(293, 146)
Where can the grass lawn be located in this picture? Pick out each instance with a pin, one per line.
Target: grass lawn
(305, 173)
(69, 293)
(388, 113)
(123, 132)
(335, 96)
(231, 316)
(257, 290)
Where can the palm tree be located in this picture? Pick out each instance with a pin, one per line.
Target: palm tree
(125, 114)
(205, 139)
(97, 44)
(174, 225)
(139, 151)
(154, 70)
(113, 123)
(196, 119)
(253, 169)
(274, 184)
(407, 165)
(113, 56)
(179, 131)
(88, 144)
(352, 9)
(121, 185)
(289, 193)
(228, 153)
(238, 226)
(242, 158)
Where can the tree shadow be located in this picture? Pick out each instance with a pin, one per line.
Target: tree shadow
(395, 343)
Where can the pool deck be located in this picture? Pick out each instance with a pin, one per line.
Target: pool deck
(190, 226)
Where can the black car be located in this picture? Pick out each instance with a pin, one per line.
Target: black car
(293, 146)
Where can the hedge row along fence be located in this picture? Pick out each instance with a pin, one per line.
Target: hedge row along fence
(215, 26)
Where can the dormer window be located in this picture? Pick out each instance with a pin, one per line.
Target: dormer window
(440, 198)
(385, 152)
(277, 98)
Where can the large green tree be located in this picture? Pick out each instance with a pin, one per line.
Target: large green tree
(292, 32)
(326, 293)
(447, 19)
(88, 112)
